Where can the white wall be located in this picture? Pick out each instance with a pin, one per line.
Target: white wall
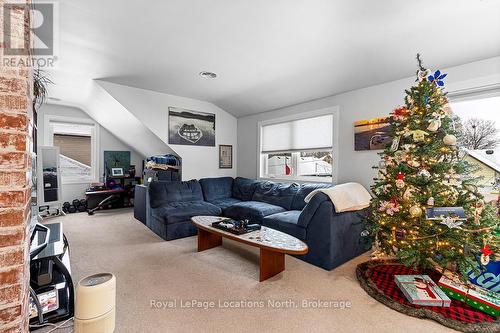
(359, 104)
(151, 108)
(107, 141)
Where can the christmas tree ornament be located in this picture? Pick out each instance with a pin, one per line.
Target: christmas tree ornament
(415, 211)
(434, 125)
(400, 156)
(408, 195)
(450, 140)
(408, 146)
(395, 143)
(400, 180)
(485, 256)
(400, 113)
(430, 201)
(437, 78)
(422, 74)
(389, 207)
(424, 173)
(417, 135)
(400, 235)
(451, 222)
(447, 109)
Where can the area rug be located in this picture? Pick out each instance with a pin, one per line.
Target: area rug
(377, 279)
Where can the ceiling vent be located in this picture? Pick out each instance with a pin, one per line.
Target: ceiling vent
(208, 75)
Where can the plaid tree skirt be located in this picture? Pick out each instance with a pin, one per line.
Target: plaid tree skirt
(377, 278)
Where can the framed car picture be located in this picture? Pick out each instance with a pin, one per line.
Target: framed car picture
(225, 157)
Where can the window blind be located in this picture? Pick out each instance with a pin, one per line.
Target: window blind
(298, 135)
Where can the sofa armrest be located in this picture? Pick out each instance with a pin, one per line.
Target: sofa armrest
(335, 238)
(140, 194)
(310, 209)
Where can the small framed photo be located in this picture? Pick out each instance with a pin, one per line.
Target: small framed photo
(225, 156)
(116, 172)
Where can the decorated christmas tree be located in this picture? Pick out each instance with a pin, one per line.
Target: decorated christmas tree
(427, 208)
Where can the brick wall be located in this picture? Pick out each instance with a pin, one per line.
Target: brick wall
(15, 191)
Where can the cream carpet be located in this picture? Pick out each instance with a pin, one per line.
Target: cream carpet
(149, 269)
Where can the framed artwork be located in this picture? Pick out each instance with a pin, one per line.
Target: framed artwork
(225, 157)
(116, 172)
(116, 159)
(372, 134)
(193, 128)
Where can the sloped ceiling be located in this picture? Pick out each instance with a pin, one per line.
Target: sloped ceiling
(268, 54)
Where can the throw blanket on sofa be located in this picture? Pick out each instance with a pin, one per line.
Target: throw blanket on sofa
(345, 197)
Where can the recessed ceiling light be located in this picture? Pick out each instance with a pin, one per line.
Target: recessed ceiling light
(208, 75)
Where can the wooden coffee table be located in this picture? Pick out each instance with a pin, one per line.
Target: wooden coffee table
(273, 244)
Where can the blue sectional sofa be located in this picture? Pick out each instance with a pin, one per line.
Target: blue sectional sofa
(333, 238)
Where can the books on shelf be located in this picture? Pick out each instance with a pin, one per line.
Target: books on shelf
(421, 290)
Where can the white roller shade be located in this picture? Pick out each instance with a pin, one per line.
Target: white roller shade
(298, 135)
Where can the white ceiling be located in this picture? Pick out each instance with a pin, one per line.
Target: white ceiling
(268, 53)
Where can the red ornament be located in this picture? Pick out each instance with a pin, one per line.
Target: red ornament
(486, 250)
(400, 176)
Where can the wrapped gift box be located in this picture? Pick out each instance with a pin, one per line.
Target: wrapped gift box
(488, 276)
(483, 300)
(421, 290)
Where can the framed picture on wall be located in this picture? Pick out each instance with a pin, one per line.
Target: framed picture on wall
(372, 134)
(193, 128)
(225, 157)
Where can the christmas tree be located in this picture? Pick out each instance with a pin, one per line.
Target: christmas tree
(422, 169)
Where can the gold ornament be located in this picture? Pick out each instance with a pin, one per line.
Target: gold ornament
(400, 183)
(450, 140)
(415, 211)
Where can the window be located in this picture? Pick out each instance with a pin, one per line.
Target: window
(299, 149)
(77, 144)
(479, 119)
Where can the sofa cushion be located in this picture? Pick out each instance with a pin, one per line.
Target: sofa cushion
(175, 212)
(287, 223)
(216, 188)
(161, 193)
(224, 203)
(298, 202)
(252, 210)
(243, 188)
(279, 194)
